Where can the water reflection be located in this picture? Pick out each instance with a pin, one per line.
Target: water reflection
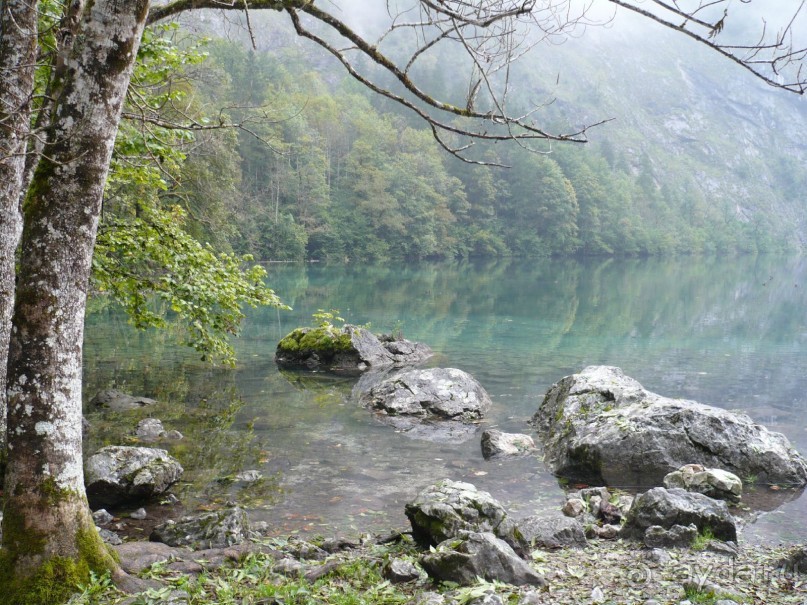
(728, 332)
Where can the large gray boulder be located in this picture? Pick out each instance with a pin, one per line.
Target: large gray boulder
(441, 393)
(119, 474)
(346, 349)
(217, 529)
(602, 426)
(118, 401)
(446, 509)
(667, 508)
(478, 555)
(555, 531)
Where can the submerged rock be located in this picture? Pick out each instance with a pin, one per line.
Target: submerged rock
(668, 508)
(478, 555)
(351, 349)
(496, 443)
(217, 529)
(448, 508)
(120, 474)
(602, 426)
(438, 393)
(150, 429)
(117, 401)
(435, 431)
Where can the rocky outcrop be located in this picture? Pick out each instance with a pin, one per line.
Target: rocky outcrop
(117, 401)
(495, 443)
(349, 349)
(478, 555)
(444, 510)
(602, 426)
(118, 474)
(712, 482)
(436, 393)
(217, 529)
(667, 508)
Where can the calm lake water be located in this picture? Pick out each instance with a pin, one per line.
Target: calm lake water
(727, 332)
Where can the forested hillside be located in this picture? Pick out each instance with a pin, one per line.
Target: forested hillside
(699, 158)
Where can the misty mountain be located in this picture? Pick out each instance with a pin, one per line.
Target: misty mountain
(696, 154)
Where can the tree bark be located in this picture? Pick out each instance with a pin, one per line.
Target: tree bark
(18, 36)
(49, 539)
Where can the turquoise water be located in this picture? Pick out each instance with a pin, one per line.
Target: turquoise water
(727, 332)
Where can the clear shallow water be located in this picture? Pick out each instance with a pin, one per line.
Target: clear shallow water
(727, 332)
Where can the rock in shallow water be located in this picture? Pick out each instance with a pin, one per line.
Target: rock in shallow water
(600, 425)
(119, 402)
(349, 349)
(120, 474)
(440, 393)
(498, 444)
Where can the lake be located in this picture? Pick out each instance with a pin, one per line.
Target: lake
(726, 332)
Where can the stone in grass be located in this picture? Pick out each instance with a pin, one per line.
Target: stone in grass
(217, 529)
(399, 571)
(479, 555)
(498, 444)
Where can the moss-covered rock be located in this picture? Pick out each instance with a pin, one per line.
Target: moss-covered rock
(350, 349)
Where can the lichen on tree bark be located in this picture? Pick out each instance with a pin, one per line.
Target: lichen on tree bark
(49, 536)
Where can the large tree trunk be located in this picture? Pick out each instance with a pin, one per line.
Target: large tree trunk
(49, 539)
(18, 36)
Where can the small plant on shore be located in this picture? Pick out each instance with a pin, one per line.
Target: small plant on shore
(702, 540)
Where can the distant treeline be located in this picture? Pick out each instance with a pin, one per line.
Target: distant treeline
(323, 170)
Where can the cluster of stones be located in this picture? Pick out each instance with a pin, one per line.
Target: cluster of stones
(599, 427)
(435, 404)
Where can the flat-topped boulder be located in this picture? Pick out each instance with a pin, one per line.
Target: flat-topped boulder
(347, 349)
(602, 426)
(441, 393)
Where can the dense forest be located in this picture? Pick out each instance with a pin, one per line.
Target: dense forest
(314, 166)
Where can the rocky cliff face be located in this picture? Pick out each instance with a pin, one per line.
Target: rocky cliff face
(689, 114)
